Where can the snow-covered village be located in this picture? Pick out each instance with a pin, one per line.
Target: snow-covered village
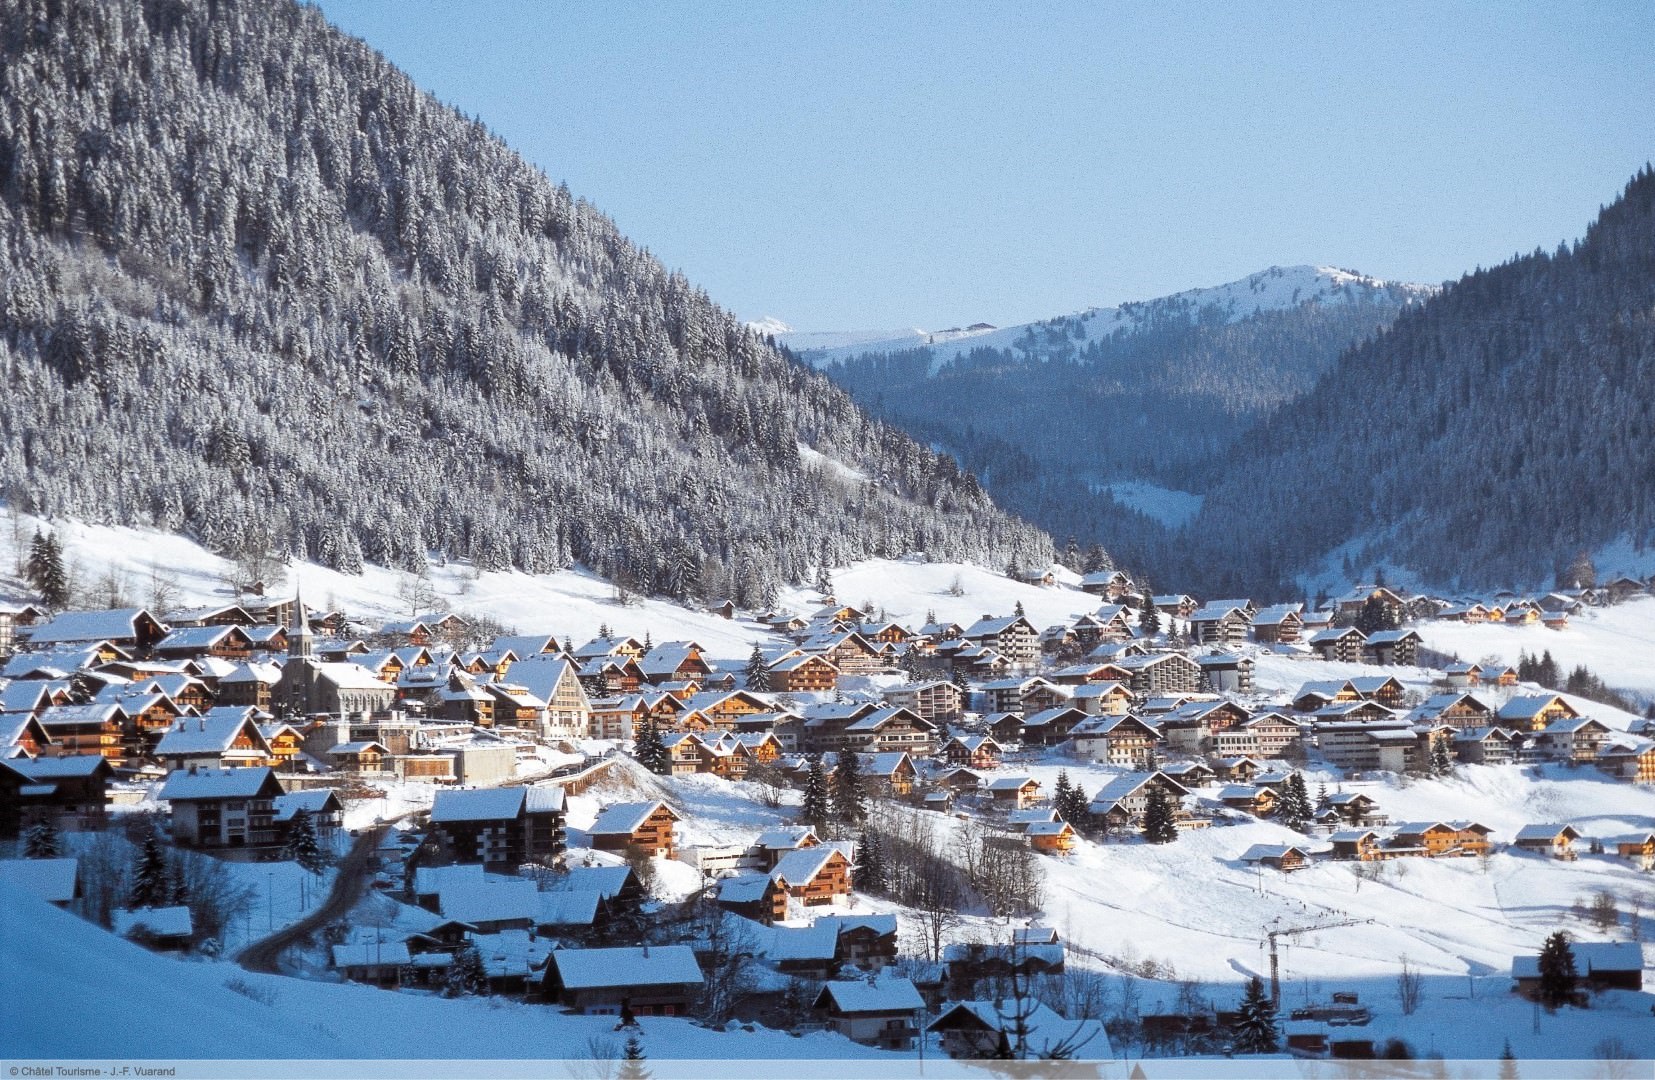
(641, 541)
(966, 815)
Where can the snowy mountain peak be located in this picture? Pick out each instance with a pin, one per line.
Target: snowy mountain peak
(1274, 289)
(769, 325)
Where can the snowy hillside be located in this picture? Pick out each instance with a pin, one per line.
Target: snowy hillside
(572, 603)
(61, 958)
(1273, 289)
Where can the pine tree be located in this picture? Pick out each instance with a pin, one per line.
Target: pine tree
(1152, 757)
(301, 845)
(824, 582)
(849, 798)
(758, 672)
(1017, 610)
(466, 974)
(815, 810)
(650, 751)
(1323, 799)
(149, 875)
(1558, 974)
(604, 631)
(1159, 826)
(649, 643)
(632, 1061)
(1442, 762)
(1254, 1027)
(1296, 811)
(1061, 794)
(46, 572)
(910, 664)
(1149, 617)
(1508, 1063)
(961, 680)
(41, 841)
(871, 876)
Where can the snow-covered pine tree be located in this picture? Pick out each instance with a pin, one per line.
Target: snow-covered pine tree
(816, 809)
(466, 975)
(632, 1060)
(1159, 825)
(1254, 1027)
(1442, 761)
(650, 751)
(1323, 799)
(41, 841)
(758, 672)
(301, 845)
(1295, 809)
(149, 874)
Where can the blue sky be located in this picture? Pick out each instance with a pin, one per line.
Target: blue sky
(852, 166)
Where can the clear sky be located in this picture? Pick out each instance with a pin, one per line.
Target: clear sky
(873, 166)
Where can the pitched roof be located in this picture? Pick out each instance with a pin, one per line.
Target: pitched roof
(186, 785)
(801, 865)
(649, 965)
(477, 804)
(625, 818)
(119, 624)
(887, 994)
(171, 921)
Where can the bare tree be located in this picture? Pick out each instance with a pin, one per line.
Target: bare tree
(416, 594)
(726, 966)
(1410, 987)
(1604, 912)
(256, 563)
(162, 590)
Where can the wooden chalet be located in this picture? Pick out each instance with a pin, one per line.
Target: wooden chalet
(1556, 840)
(1343, 644)
(882, 1012)
(1283, 857)
(803, 673)
(651, 980)
(500, 827)
(814, 875)
(648, 826)
(1014, 792)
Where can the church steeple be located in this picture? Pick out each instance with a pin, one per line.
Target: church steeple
(301, 642)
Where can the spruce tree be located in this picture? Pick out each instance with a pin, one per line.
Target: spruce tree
(650, 751)
(758, 672)
(1442, 762)
(301, 845)
(1149, 617)
(1061, 794)
(871, 875)
(46, 572)
(149, 875)
(849, 798)
(632, 1061)
(816, 810)
(466, 975)
(1558, 975)
(1508, 1063)
(910, 664)
(1018, 609)
(1296, 812)
(1254, 1027)
(41, 841)
(1159, 826)
(1323, 799)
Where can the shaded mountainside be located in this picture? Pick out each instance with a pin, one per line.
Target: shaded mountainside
(1489, 433)
(1146, 392)
(253, 281)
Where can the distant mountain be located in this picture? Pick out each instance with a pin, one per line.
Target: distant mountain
(1097, 426)
(1491, 432)
(256, 285)
(1275, 289)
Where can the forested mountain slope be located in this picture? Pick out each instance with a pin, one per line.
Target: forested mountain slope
(1050, 413)
(254, 283)
(1490, 432)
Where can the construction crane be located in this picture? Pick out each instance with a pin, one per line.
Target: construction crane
(1278, 932)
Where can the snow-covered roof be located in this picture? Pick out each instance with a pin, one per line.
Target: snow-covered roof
(624, 818)
(575, 907)
(210, 733)
(119, 624)
(477, 804)
(370, 954)
(185, 785)
(1043, 1030)
(888, 993)
(606, 881)
(801, 865)
(310, 800)
(493, 898)
(173, 921)
(1547, 833)
(650, 965)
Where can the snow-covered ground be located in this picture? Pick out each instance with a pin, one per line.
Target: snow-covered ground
(1616, 643)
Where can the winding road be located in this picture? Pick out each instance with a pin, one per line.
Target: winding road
(355, 871)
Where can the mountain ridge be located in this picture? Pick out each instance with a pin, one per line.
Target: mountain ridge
(261, 287)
